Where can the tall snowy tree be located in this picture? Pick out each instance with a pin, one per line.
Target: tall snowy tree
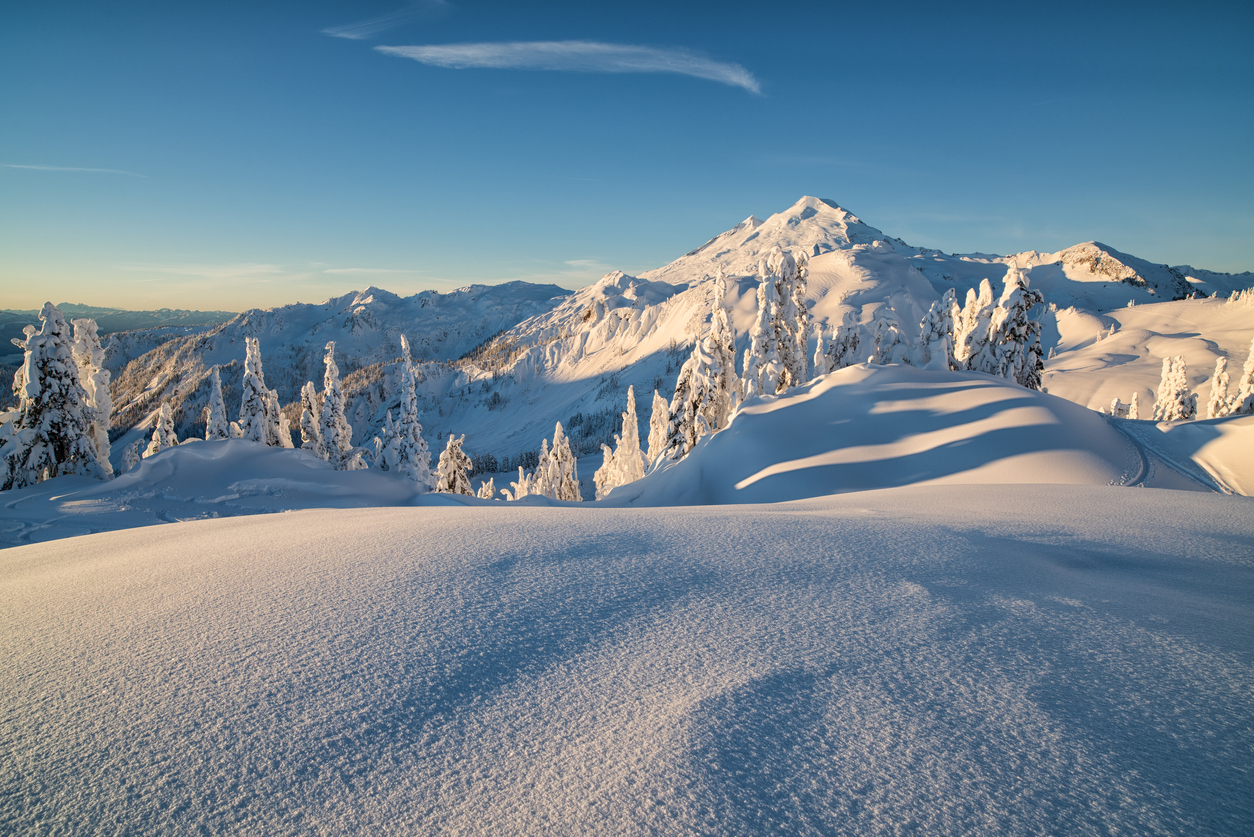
(971, 327)
(936, 335)
(216, 427)
(487, 491)
(1174, 401)
(403, 449)
(1134, 407)
(1217, 405)
(336, 432)
(838, 352)
(454, 469)
(259, 417)
(53, 431)
(625, 463)
(311, 421)
(521, 488)
(776, 357)
(564, 469)
(722, 349)
(659, 427)
(1013, 348)
(163, 436)
(89, 356)
(888, 343)
(1243, 403)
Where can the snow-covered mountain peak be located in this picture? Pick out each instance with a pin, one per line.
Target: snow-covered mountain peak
(814, 225)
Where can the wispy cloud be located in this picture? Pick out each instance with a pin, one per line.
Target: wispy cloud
(369, 28)
(578, 57)
(372, 271)
(71, 168)
(219, 272)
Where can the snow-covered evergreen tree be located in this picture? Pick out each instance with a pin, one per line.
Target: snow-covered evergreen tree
(888, 343)
(487, 491)
(1243, 403)
(1134, 407)
(162, 432)
(336, 432)
(1217, 405)
(707, 390)
(89, 355)
(971, 327)
(936, 335)
(53, 432)
(840, 351)
(564, 468)
(311, 422)
(1117, 409)
(411, 458)
(722, 350)
(216, 427)
(776, 357)
(521, 488)
(259, 417)
(763, 367)
(625, 462)
(1013, 348)
(1174, 401)
(130, 456)
(659, 427)
(454, 469)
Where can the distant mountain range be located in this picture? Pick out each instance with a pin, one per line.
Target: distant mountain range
(502, 363)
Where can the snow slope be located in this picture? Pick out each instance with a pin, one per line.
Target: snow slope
(869, 427)
(942, 660)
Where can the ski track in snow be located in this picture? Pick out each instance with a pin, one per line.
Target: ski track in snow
(948, 659)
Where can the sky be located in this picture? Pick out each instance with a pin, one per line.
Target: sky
(228, 155)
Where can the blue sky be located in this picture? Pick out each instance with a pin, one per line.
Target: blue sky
(229, 155)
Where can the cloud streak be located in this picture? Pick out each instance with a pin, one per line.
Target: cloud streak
(578, 57)
(71, 168)
(369, 28)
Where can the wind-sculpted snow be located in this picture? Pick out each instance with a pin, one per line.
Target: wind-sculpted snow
(942, 660)
(868, 427)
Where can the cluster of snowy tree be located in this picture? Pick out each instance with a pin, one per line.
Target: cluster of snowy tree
(61, 423)
(1175, 402)
(556, 475)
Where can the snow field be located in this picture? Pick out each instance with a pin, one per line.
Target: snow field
(956, 659)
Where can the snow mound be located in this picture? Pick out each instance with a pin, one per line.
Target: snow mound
(868, 427)
(968, 660)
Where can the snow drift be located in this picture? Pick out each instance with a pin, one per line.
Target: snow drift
(946, 660)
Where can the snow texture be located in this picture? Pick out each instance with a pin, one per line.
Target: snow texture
(967, 660)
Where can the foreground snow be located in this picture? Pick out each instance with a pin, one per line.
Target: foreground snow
(945, 659)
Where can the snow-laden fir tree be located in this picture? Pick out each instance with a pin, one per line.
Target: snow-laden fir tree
(454, 469)
(1174, 401)
(285, 427)
(1013, 348)
(1134, 407)
(521, 488)
(625, 463)
(336, 432)
(971, 326)
(557, 474)
(776, 357)
(887, 342)
(413, 459)
(163, 436)
(659, 427)
(130, 456)
(311, 421)
(1217, 405)
(1243, 403)
(722, 349)
(936, 335)
(89, 355)
(840, 351)
(487, 491)
(707, 390)
(216, 426)
(1117, 409)
(52, 432)
(259, 416)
